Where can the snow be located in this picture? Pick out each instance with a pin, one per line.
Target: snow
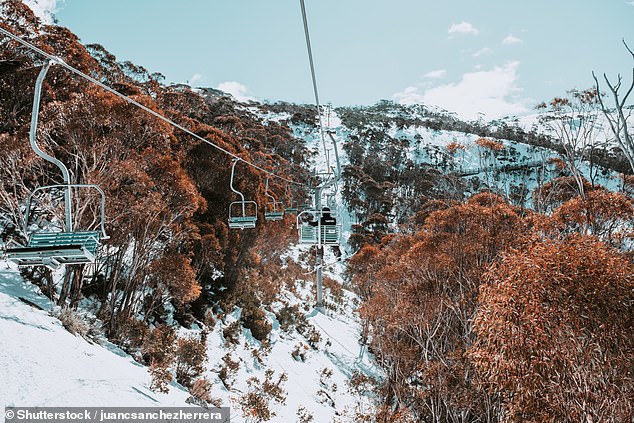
(44, 365)
(429, 146)
(338, 351)
(43, 9)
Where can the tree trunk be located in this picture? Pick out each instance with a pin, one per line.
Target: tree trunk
(65, 287)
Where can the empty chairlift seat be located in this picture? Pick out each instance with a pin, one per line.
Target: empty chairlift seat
(273, 210)
(54, 249)
(307, 234)
(243, 215)
(274, 215)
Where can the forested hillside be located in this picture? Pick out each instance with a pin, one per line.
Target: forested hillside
(170, 253)
(488, 272)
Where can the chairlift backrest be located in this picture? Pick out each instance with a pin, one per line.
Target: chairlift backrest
(312, 229)
(102, 226)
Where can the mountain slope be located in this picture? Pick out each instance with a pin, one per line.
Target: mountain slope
(44, 365)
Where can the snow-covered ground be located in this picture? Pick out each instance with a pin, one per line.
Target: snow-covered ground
(42, 364)
(317, 375)
(427, 145)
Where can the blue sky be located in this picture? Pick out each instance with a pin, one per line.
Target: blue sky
(496, 57)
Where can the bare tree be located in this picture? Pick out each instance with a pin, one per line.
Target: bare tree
(572, 120)
(619, 115)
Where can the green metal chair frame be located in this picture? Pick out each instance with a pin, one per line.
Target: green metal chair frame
(53, 249)
(276, 212)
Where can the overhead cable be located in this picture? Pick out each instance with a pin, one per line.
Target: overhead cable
(312, 72)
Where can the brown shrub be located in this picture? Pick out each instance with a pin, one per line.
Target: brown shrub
(554, 332)
(72, 321)
(191, 355)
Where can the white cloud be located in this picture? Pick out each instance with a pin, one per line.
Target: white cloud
(236, 89)
(631, 2)
(491, 92)
(436, 74)
(195, 79)
(511, 39)
(462, 28)
(43, 9)
(482, 51)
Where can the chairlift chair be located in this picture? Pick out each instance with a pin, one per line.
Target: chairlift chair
(317, 233)
(274, 210)
(275, 214)
(292, 208)
(50, 248)
(242, 214)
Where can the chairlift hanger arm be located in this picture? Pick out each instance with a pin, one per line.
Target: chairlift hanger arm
(34, 120)
(334, 143)
(267, 193)
(233, 171)
(37, 95)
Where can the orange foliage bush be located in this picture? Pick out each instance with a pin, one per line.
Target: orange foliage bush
(173, 273)
(453, 147)
(607, 215)
(489, 144)
(554, 332)
(420, 293)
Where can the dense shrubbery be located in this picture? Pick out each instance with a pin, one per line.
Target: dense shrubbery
(553, 332)
(486, 313)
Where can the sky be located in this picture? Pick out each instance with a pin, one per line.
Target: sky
(485, 58)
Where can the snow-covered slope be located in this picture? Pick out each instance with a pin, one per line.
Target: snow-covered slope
(318, 362)
(42, 364)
